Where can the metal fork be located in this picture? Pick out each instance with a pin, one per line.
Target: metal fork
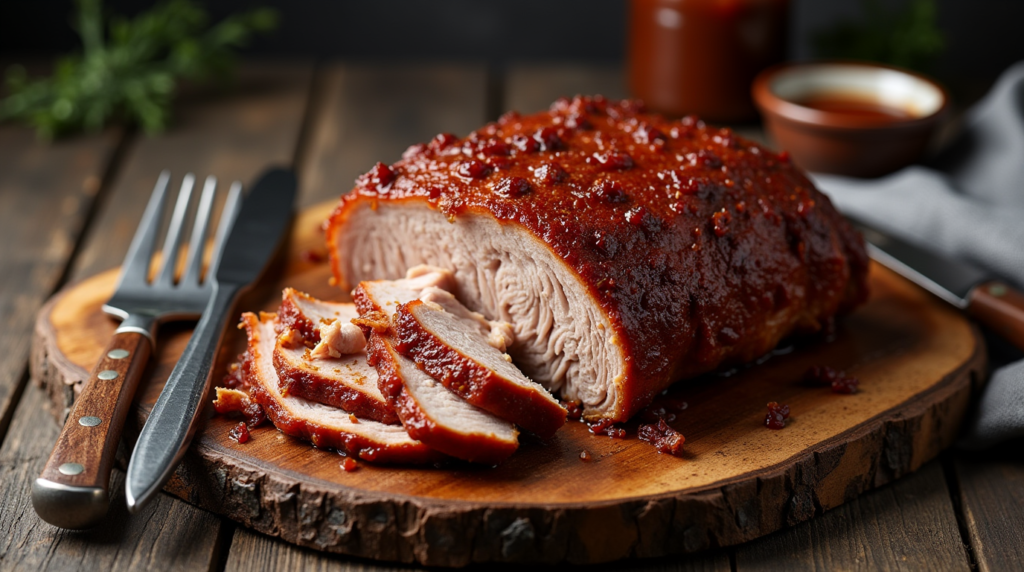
(72, 491)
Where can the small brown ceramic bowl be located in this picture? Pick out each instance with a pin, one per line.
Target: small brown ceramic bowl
(849, 118)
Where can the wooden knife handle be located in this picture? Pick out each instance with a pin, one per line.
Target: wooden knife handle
(72, 490)
(1001, 308)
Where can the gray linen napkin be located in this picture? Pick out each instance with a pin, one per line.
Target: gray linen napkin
(968, 202)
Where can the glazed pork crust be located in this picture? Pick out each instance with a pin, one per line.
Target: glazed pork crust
(698, 249)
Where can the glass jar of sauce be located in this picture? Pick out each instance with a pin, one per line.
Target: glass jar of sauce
(700, 56)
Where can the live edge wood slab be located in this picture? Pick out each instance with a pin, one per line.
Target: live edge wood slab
(917, 361)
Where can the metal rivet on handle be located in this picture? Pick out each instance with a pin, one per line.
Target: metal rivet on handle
(89, 421)
(107, 374)
(997, 290)
(117, 354)
(71, 468)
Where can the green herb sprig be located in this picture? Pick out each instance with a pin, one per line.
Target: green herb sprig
(909, 37)
(130, 74)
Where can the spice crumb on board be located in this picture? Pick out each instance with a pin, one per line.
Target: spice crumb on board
(574, 410)
(585, 455)
(777, 415)
(348, 464)
(607, 427)
(240, 432)
(836, 379)
(314, 256)
(663, 437)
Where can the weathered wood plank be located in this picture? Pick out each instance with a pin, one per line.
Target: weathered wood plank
(46, 194)
(908, 525)
(366, 113)
(532, 87)
(992, 500)
(252, 552)
(233, 135)
(167, 535)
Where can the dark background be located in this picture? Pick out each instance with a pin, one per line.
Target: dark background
(983, 36)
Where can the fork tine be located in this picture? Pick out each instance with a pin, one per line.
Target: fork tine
(136, 264)
(173, 239)
(227, 218)
(194, 264)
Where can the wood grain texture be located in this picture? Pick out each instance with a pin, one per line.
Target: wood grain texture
(366, 113)
(254, 552)
(46, 194)
(167, 535)
(915, 358)
(992, 499)
(908, 525)
(531, 87)
(233, 136)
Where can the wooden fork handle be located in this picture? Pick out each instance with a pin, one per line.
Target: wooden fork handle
(72, 491)
(1001, 308)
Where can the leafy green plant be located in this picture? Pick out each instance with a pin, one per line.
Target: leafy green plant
(130, 73)
(909, 38)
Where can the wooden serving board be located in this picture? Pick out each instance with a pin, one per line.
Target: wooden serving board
(917, 361)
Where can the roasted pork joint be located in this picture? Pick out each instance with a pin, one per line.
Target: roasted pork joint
(627, 250)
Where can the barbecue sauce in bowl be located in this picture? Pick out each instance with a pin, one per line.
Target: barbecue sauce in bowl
(863, 108)
(849, 118)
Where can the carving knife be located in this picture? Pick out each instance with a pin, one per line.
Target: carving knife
(261, 222)
(990, 301)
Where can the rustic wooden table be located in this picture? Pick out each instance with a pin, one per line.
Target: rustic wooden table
(68, 210)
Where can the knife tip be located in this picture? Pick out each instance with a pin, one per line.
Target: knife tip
(134, 501)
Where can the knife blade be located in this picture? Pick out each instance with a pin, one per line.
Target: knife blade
(264, 216)
(989, 300)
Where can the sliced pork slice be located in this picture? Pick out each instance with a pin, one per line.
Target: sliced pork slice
(436, 416)
(498, 334)
(326, 326)
(452, 351)
(322, 425)
(386, 295)
(347, 382)
(428, 283)
(304, 313)
(338, 376)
